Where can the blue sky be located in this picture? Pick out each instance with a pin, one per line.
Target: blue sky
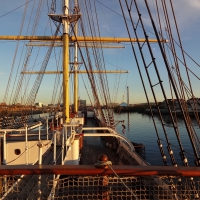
(111, 25)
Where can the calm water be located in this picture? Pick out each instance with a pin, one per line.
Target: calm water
(141, 130)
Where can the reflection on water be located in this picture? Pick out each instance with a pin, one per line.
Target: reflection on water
(140, 129)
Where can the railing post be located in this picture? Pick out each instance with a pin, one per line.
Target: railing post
(57, 121)
(4, 149)
(39, 129)
(65, 128)
(39, 192)
(52, 122)
(54, 162)
(47, 128)
(63, 137)
(54, 148)
(4, 161)
(5, 184)
(26, 145)
(40, 145)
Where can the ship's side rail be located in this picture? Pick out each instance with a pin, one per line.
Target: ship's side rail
(124, 143)
(20, 145)
(112, 133)
(113, 182)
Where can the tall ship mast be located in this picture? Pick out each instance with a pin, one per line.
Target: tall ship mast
(71, 149)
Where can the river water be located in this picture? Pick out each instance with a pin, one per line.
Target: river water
(140, 129)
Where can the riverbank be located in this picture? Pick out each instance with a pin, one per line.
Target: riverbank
(120, 109)
(18, 111)
(146, 110)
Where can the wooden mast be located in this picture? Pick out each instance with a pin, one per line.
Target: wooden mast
(76, 64)
(65, 61)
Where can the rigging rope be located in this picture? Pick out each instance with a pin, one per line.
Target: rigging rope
(180, 105)
(28, 52)
(13, 63)
(139, 70)
(35, 88)
(94, 83)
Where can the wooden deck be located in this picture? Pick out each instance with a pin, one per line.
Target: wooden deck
(27, 186)
(95, 146)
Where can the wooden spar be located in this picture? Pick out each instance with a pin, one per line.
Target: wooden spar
(79, 39)
(79, 72)
(113, 40)
(88, 45)
(32, 38)
(92, 170)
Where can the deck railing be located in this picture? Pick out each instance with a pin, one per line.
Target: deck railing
(89, 182)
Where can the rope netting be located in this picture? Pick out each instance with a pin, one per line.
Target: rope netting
(100, 187)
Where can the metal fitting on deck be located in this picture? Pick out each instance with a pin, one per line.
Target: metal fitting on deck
(103, 161)
(79, 129)
(40, 144)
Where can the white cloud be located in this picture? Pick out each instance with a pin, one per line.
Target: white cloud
(187, 12)
(194, 3)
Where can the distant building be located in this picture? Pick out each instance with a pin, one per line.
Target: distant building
(173, 103)
(39, 104)
(194, 103)
(123, 104)
(3, 105)
(82, 103)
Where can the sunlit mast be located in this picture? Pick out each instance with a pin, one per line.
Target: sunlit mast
(76, 63)
(65, 21)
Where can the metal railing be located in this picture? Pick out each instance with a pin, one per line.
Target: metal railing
(7, 134)
(89, 182)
